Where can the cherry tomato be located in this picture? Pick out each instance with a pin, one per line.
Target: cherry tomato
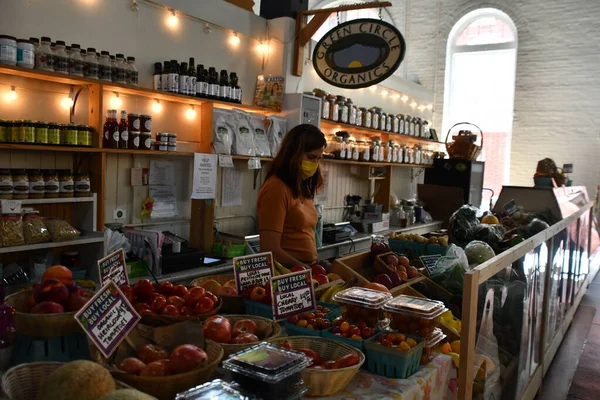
(258, 294)
(180, 290)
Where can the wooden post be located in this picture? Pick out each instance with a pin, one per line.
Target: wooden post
(468, 334)
(245, 4)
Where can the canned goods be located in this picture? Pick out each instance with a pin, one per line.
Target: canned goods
(54, 133)
(14, 131)
(84, 135)
(68, 135)
(27, 132)
(41, 132)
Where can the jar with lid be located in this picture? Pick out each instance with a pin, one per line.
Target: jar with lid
(339, 148)
(121, 66)
(134, 140)
(375, 117)
(6, 184)
(402, 218)
(347, 150)
(27, 132)
(41, 132)
(65, 183)
(133, 122)
(8, 50)
(375, 150)
(359, 115)
(104, 66)
(161, 146)
(388, 122)
(396, 156)
(44, 59)
(366, 154)
(69, 135)
(36, 43)
(389, 153)
(76, 62)
(351, 111)
(172, 138)
(360, 147)
(325, 106)
(417, 155)
(145, 141)
(82, 184)
(415, 127)
(342, 109)
(15, 131)
(382, 120)
(25, 53)
(20, 184)
(61, 59)
(3, 131)
(54, 133)
(395, 121)
(355, 150)
(51, 184)
(384, 151)
(84, 135)
(419, 127)
(330, 147)
(409, 210)
(37, 186)
(162, 137)
(91, 64)
(408, 125)
(132, 72)
(145, 123)
(367, 118)
(426, 129)
(401, 124)
(333, 107)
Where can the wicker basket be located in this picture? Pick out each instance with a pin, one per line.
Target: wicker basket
(164, 320)
(325, 382)
(23, 381)
(267, 329)
(41, 325)
(231, 304)
(463, 147)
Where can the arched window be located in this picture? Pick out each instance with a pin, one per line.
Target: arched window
(480, 86)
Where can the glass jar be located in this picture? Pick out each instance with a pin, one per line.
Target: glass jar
(6, 184)
(25, 53)
(401, 124)
(403, 155)
(383, 121)
(134, 140)
(359, 114)
(384, 151)
(375, 117)
(367, 118)
(145, 141)
(20, 184)
(348, 149)
(426, 129)
(44, 58)
(360, 146)
(415, 126)
(8, 50)
(41, 132)
(395, 123)
(351, 111)
(417, 155)
(324, 108)
(65, 183)
(340, 148)
(366, 154)
(69, 135)
(82, 184)
(121, 76)
(54, 133)
(419, 127)
(132, 72)
(145, 123)
(3, 131)
(104, 66)
(375, 150)
(15, 131)
(133, 122)
(396, 155)
(84, 135)
(388, 122)
(389, 152)
(76, 62)
(355, 150)
(61, 59)
(51, 184)
(37, 186)
(342, 109)
(27, 132)
(333, 107)
(91, 64)
(408, 125)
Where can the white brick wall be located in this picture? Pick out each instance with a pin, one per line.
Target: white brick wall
(557, 92)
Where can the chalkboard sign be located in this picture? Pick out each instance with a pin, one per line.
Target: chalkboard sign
(112, 267)
(107, 318)
(292, 294)
(429, 262)
(252, 270)
(511, 207)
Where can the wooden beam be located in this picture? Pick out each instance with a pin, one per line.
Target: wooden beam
(349, 7)
(312, 27)
(468, 334)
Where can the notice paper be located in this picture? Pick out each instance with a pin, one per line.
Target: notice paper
(205, 176)
(162, 172)
(231, 187)
(252, 270)
(292, 294)
(225, 161)
(112, 267)
(165, 202)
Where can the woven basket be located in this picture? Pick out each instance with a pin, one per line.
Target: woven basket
(325, 382)
(41, 325)
(164, 320)
(462, 148)
(25, 380)
(231, 304)
(267, 329)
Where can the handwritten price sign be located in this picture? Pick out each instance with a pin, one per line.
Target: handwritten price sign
(107, 318)
(112, 267)
(252, 270)
(292, 294)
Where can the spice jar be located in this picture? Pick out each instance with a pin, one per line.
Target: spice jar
(54, 133)
(375, 149)
(76, 62)
(41, 132)
(324, 107)
(366, 154)
(15, 128)
(394, 123)
(36, 184)
(44, 59)
(145, 141)
(339, 148)
(359, 115)
(145, 123)
(27, 132)
(401, 124)
(396, 153)
(172, 138)
(61, 59)
(333, 107)
(8, 50)
(389, 153)
(82, 185)
(417, 155)
(426, 129)
(415, 126)
(84, 135)
(382, 120)
(342, 109)
(65, 183)
(134, 140)
(382, 151)
(360, 146)
(388, 122)
(51, 185)
(355, 150)
(6, 184)
(367, 117)
(91, 64)
(20, 184)
(351, 111)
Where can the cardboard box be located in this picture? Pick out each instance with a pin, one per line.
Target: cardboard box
(376, 217)
(374, 227)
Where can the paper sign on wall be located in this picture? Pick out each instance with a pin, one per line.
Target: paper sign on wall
(107, 318)
(292, 294)
(252, 270)
(112, 267)
(205, 176)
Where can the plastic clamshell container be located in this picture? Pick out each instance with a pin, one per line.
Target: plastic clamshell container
(214, 390)
(358, 304)
(295, 330)
(268, 371)
(432, 345)
(414, 315)
(391, 362)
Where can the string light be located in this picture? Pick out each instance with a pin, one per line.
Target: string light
(172, 19)
(384, 93)
(430, 107)
(404, 98)
(67, 102)
(373, 88)
(413, 104)
(190, 113)
(262, 47)
(12, 95)
(234, 40)
(396, 96)
(156, 107)
(421, 107)
(115, 101)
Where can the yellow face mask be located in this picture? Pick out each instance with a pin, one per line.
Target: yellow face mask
(309, 168)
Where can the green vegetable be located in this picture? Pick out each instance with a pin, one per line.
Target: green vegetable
(478, 252)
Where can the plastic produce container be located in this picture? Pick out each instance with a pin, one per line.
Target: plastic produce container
(391, 362)
(214, 390)
(432, 345)
(359, 304)
(295, 330)
(268, 371)
(414, 315)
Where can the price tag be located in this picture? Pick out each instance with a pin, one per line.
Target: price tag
(511, 207)
(112, 267)
(252, 270)
(11, 207)
(225, 161)
(429, 262)
(254, 163)
(107, 318)
(292, 294)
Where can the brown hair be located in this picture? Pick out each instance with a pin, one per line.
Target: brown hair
(286, 165)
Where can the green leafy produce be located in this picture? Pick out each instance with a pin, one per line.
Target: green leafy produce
(478, 252)
(461, 225)
(534, 227)
(491, 234)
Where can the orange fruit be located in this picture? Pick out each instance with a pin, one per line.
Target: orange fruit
(376, 286)
(400, 337)
(411, 342)
(59, 272)
(446, 348)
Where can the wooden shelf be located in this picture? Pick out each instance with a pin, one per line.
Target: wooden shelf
(46, 75)
(375, 132)
(348, 162)
(265, 159)
(89, 199)
(76, 149)
(148, 152)
(90, 238)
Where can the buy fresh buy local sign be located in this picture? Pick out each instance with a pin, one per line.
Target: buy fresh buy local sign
(359, 53)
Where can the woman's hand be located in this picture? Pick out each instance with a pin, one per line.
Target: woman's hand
(271, 241)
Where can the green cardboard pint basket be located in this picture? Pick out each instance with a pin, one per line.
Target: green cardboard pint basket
(390, 362)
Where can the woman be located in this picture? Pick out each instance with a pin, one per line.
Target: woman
(286, 212)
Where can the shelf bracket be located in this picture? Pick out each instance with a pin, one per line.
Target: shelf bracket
(72, 111)
(305, 31)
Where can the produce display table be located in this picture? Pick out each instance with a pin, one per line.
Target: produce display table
(435, 381)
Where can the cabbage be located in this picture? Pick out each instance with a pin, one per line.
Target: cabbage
(478, 252)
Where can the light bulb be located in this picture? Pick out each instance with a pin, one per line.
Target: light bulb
(12, 95)
(413, 104)
(262, 47)
(396, 96)
(421, 107)
(373, 88)
(234, 40)
(190, 113)
(116, 101)
(384, 93)
(404, 98)
(156, 107)
(66, 102)
(172, 19)
(430, 107)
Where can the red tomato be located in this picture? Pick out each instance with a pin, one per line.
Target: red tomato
(205, 304)
(165, 288)
(287, 345)
(132, 365)
(180, 290)
(156, 368)
(258, 294)
(143, 289)
(128, 292)
(217, 328)
(185, 311)
(176, 301)
(150, 352)
(139, 307)
(187, 357)
(245, 338)
(158, 302)
(312, 354)
(329, 364)
(213, 297)
(347, 361)
(244, 326)
(193, 295)
(170, 310)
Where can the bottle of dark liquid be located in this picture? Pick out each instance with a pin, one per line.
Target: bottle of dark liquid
(106, 135)
(174, 74)
(236, 91)
(184, 79)
(213, 84)
(164, 80)
(205, 90)
(192, 78)
(113, 131)
(156, 77)
(123, 132)
(224, 88)
(200, 81)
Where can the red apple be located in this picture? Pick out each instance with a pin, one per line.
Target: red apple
(187, 357)
(322, 279)
(297, 268)
(47, 307)
(51, 290)
(318, 270)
